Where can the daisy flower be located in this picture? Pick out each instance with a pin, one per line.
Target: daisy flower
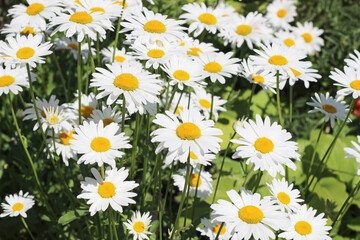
(202, 101)
(88, 104)
(27, 49)
(70, 44)
(210, 230)
(305, 74)
(138, 86)
(183, 101)
(249, 215)
(99, 144)
(276, 57)
(63, 146)
(194, 47)
(13, 29)
(107, 115)
(17, 204)
(349, 80)
(81, 22)
(266, 145)
(139, 225)
(288, 38)
(354, 152)
(217, 66)
(332, 108)
(354, 60)
(227, 11)
(204, 179)
(184, 71)
(191, 133)
(106, 8)
(147, 26)
(113, 190)
(36, 12)
(286, 197)
(12, 80)
(131, 6)
(304, 225)
(55, 118)
(120, 55)
(205, 159)
(310, 35)
(281, 13)
(202, 17)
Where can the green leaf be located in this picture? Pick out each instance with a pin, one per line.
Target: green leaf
(70, 216)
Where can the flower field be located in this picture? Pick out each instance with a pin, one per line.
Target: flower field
(182, 119)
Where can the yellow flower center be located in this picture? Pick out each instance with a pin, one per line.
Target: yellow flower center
(188, 131)
(281, 13)
(6, 81)
(355, 84)
(193, 156)
(307, 37)
(100, 144)
(119, 58)
(154, 26)
(278, 60)
(65, 138)
(121, 3)
(156, 53)
(329, 108)
(126, 82)
(264, 145)
(194, 52)
(34, 9)
(216, 229)
(205, 103)
(97, 9)
(73, 46)
(213, 67)
(257, 78)
(296, 73)
(181, 75)
(303, 228)
(243, 30)
(25, 53)
(86, 111)
(289, 42)
(283, 198)
(182, 44)
(194, 180)
(208, 19)
(139, 227)
(81, 17)
(17, 207)
(54, 119)
(251, 214)
(107, 121)
(106, 190)
(28, 30)
(178, 109)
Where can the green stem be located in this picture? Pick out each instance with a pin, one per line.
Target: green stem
(117, 33)
(253, 87)
(134, 147)
(218, 233)
(291, 105)
(212, 100)
(110, 224)
(232, 87)
(195, 195)
(168, 185)
(221, 167)
(123, 111)
(146, 160)
(187, 197)
(113, 224)
(258, 181)
(98, 50)
(171, 98)
(178, 102)
(92, 63)
(27, 228)
(79, 78)
(62, 78)
(160, 205)
(278, 98)
(167, 94)
(248, 174)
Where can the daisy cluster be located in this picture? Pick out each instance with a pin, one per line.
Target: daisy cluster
(162, 72)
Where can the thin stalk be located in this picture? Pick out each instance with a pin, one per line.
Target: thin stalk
(62, 78)
(171, 98)
(92, 63)
(232, 87)
(79, 79)
(98, 50)
(168, 185)
(182, 199)
(278, 97)
(134, 148)
(113, 223)
(178, 102)
(117, 33)
(253, 87)
(160, 206)
(167, 94)
(195, 195)
(212, 100)
(258, 181)
(248, 174)
(27, 228)
(110, 225)
(123, 111)
(103, 171)
(187, 196)
(221, 167)
(291, 105)
(146, 160)
(218, 233)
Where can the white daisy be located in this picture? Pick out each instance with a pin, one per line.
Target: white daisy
(249, 215)
(210, 230)
(120, 55)
(202, 17)
(205, 159)
(191, 133)
(13, 29)
(139, 225)
(147, 26)
(17, 204)
(310, 36)
(63, 146)
(27, 49)
(266, 145)
(304, 225)
(55, 118)
(331, 107)
(183, 103)
(281, 13)
(193, 47)
(88, 104)
(107, 8)
(107, 115)
(12, 80)
(204, 179)
(287, 197)
(113, 190)
(184, 72)
(131, 6)
(354, 152)
(71, 44)
(217, 66)
(202, 101)
(349, 80)
(99, 144)
(354, 60)
(305, 74)
(288, 38)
